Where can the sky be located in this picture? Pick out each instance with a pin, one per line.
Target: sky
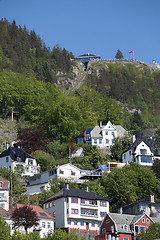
(99, 27)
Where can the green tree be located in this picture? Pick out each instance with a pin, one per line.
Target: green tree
(156, 168)
(120, 145)
(45, 160)
(129, 183)
(62, 235)
(153, 232)
(4, 230)
(119, 55)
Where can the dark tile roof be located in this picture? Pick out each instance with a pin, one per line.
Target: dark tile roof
(150, 142)
(15, 152)
(146, 200)
(72, 192)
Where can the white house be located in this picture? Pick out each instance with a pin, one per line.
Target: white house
(14, 156)
(103, 136)
(142, 151)
(77, 210)
(4, 193)
(66, 171)
(46, 221)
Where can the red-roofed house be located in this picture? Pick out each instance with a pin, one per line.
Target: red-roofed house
(4, 193)
(46, 221)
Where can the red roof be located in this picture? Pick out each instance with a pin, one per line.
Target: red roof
(41, 213)
(4, 213)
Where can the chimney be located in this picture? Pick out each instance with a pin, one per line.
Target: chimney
(86, 189)
(152, 199)
(120, 210)
(133, 138)
(67, 186)
(100, 124)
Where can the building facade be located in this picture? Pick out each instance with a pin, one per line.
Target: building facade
(77, 210)
(4, 193)
(142, 152)
(14, 156)
(123, 227)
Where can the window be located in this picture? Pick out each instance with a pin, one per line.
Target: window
(82, 201)
(73, 173)
(0, 184)
(82, 211)
(82, 223)
(75, 222)
(147, 220)
(143, 220)
(108, 220)
(49, 225)
(143, 151)
(102, 214)
(112, 133)
(53, 204)
(125, 228)
(50, 204)
(54, 214)
(103, 203)
(74, 211)
(136, 229)
(112, 229)
(90, 202)
(112, 141)
(106, 132)
(43, 214)
(46, 205)
(100, 141)
(99, 224)
(7, 159)
(69, 221)
(125, 238)
(91, 213)
(129, 153)
(95, 141)
(92, 224)
(67, 211)
(61, 171)
(142, 229)
(43, 224)
(74, 200)
(124, 156)
(107, 141)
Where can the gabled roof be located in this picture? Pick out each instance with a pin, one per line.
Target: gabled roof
(149, 142)
(146, 200)
(15, 152)
(41, 213)
(5, 183)
(121, 220)
(73, 192)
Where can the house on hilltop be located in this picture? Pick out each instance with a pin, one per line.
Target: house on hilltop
(14, 156)
(103, 136)
(142, 151)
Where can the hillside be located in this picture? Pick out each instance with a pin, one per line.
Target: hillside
(48, 88)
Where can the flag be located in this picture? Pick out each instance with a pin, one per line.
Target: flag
(131, 51)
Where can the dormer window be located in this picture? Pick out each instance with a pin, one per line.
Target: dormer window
(7, 159)
(125, 228)
(61, 171)
(143, 151)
